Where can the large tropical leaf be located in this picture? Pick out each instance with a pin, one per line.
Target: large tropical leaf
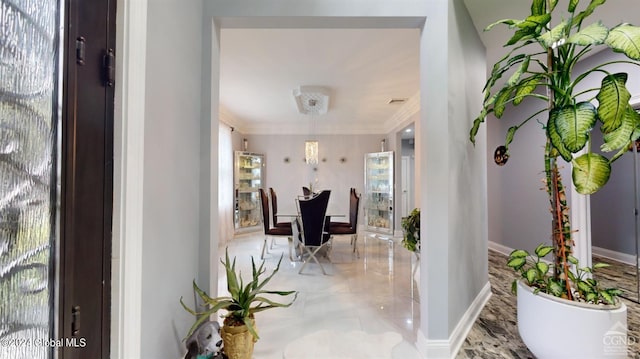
(594, 34)
(509, 22)
(572, 5)
(499, 69)
(519, 71)
(542, 250)
(590, 172)
(573, 123)
(613, 100)
(538, 7)
(587, 12)
(534, 21)
(509, 137)
(625, 38)
(529, 28)
(476, 126)
(525, 87)
(621, 137)
(518, 253)
(556, 140)
(551, 37)
(501, 101)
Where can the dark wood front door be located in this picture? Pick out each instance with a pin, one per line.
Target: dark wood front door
(87, 178)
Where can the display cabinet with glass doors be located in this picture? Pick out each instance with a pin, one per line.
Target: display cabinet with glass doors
(248, 178)
(378, 196)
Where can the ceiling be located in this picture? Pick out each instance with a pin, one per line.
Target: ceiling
(361, 68)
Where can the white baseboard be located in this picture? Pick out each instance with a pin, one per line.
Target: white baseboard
(616, 256)
(500, 248)
(448, 348)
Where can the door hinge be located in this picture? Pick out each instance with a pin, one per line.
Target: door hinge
(109, 65)
(75, 320)
(80, 51)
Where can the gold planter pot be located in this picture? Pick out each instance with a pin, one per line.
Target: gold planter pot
(238, 341)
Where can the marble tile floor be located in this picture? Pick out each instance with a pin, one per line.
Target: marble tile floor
(495, 332)
(619, 275)
(375, 294)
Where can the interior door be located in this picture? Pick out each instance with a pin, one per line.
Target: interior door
(87, 176)
(406, 178)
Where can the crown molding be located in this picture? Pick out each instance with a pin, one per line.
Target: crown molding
(289, 128)
(230, 119)
(402, 117)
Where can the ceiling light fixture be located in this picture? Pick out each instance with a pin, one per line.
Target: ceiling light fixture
(311, 100)
(311, 152)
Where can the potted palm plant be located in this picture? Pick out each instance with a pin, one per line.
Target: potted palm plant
(239, 331)
(540, 65)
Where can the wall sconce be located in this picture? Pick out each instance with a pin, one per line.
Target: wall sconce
(311, 152)
(245, 144)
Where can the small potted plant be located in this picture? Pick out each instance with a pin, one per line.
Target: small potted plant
(541, 65)
(411, 238)
(238, 330)
(411, 229)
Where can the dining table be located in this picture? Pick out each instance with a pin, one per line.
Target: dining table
(293, 248)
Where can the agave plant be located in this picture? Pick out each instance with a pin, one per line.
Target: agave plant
(543, 53)
(244, 300)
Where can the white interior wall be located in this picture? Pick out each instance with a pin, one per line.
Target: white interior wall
(453, 178)
(171, 195)
(331, 174)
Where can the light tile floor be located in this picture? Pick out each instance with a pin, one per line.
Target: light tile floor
(373, 293)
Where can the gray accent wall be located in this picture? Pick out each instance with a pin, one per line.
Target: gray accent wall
(172, 195)
(519, 214)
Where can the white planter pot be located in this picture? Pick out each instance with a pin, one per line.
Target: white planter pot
(554, 328)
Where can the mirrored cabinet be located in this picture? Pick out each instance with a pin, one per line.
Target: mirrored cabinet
(248, 178)
(378, 195)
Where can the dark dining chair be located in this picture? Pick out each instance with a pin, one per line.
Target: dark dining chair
(274, 210)
(268, 230)
(351, 227)
(309, 228)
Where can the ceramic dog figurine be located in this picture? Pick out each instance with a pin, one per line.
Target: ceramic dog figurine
(205, 342)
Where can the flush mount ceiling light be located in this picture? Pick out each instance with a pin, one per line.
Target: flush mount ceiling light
(311, 100)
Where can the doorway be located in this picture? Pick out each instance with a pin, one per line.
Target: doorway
(615, 225)
(407, 170)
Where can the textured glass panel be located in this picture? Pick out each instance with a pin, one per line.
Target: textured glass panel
(28, 63)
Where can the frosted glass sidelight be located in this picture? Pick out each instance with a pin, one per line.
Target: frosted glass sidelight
(28, 145)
